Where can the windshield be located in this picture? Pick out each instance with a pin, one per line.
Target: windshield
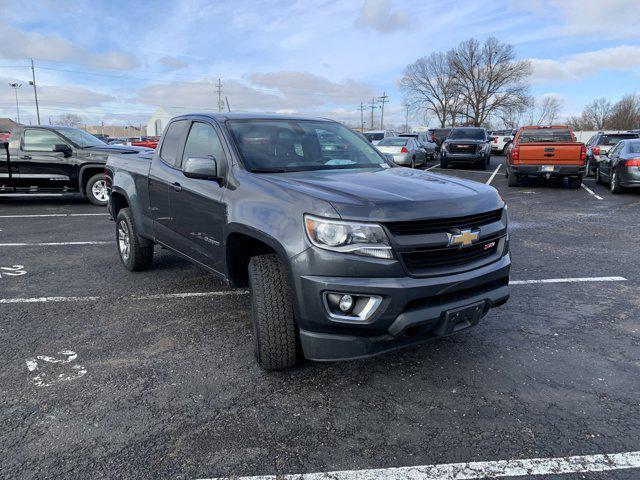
(546, 135)
(467, 133)
(80, 137)
(393, 142)
(374, 136)
(296, 145)
(610, 140)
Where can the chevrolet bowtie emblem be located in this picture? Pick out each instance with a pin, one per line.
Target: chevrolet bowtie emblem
(463, 238)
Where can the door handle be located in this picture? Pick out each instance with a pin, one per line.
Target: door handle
(176, 186)
(25, 157)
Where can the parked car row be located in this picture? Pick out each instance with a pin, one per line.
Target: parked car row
(620, 166)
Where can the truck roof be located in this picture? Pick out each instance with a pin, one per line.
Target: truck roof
(253, 116)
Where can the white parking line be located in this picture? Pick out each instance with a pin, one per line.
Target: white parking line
(493, 175)
(436, 165)
(57, 215)
(160, 296)
(476, 470)
(51, 244)
(569, 280)
(590, 191)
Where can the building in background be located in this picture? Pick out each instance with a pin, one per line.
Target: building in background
(159, 120)
(115, 131)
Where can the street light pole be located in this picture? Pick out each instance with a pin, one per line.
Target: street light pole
(16, 86)
(35, 89)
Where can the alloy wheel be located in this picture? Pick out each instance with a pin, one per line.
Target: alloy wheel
(124, 240)
(99, 191)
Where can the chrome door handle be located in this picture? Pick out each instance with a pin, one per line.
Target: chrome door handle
(176, 186)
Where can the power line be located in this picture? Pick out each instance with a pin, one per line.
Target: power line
(383, 100)
(362, 109)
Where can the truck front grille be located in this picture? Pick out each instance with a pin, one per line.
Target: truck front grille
(434, 258)
(469, 149)
(421, 227)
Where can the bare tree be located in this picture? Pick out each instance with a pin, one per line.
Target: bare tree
(625, 114)
(489, 79)
(546, 110)
(428, 85)
(69, 120)
(597, 113)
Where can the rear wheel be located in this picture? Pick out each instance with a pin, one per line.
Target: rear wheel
(274, 326)
(513, 180)
(96, 190)
(615, 183)
(135, 252)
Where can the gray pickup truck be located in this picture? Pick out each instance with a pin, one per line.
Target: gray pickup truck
(346, 254)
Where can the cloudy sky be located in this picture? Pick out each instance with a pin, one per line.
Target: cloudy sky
(118, 61)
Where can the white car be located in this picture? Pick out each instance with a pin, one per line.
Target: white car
(501, 140)
(374, 136)
(406, 151)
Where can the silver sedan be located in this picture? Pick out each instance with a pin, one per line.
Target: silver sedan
(406, 151)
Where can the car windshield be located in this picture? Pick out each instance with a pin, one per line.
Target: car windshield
(546, 135)
(610, 140)
(634, 146)
(80, 137)
(467, 133)
(393, 142)
(371, 136)
(297, 145)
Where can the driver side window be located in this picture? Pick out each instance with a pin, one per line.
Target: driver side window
(203, 141)
(40, 140)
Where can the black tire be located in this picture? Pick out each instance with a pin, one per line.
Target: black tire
(135, 253)
(274, 325)
(96, 190)
(614, 186)
(413, 162)
(574, 182)
(444, 163)
(513, 180)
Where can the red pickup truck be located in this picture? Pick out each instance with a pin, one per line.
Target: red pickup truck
(546, 152)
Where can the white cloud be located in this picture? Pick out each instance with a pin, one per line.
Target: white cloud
(378, 15)
(15, 43)
(578, 66)
(173, 63)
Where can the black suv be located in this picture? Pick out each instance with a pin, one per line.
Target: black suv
(470, 145)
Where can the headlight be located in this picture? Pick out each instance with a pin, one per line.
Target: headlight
(366, 239)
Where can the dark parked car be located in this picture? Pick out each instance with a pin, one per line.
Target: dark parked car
(620, 167)
(601, 143)
(469, 145)
(430, 148)
(345, 254)
(60, 160)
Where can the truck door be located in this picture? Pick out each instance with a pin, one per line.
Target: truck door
(44, 161)
(165, 170)
(198, 213)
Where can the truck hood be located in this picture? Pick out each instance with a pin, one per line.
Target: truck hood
(116, 149)
(465, 141)
(393, 194)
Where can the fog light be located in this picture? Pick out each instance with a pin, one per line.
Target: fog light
(346, 303)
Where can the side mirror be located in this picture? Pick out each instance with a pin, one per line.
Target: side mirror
(63, 148)
(203, 168)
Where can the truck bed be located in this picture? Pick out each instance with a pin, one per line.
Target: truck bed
(547, 153)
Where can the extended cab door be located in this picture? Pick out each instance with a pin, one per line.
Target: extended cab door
(45, 161)
(198, 214)
(164, 171)
(6, 180)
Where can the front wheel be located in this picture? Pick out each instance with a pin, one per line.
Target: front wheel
(135, 252)
(96, 190)
(513, 180)
(274, 325)
(615, 186)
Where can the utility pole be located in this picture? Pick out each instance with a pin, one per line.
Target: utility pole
(35, 89)
(16, 86)
(406, 120)
(383, 100)
(219, 90)
(362, 109)
(373, 106)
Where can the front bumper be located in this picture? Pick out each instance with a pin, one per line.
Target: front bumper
(465, 157)
(412, 311)
(558, 170)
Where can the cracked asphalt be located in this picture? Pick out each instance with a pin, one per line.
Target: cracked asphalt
(171, 389)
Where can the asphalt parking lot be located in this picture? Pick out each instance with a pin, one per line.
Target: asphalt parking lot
(109, 374)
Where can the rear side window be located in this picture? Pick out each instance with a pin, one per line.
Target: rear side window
(40, 140)
(610, 140)
(203, 141)
(171, 143)
(544, 135)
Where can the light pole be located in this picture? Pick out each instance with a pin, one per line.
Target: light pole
(16, 86)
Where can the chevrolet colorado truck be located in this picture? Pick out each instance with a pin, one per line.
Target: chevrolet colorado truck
(346, 255)
(546, 152)
(56, 160)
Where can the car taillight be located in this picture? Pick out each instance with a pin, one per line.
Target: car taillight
(515, 153)
(404, 150)
(633, 162)
(596, 150)
(583, 153)
(495, 139)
